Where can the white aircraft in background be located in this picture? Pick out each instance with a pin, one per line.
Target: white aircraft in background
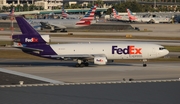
(62, 24)
(148, 19)
(137, 18)
(31, 42)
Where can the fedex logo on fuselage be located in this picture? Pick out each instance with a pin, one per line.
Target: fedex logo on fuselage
(31, 40)
(129, 50)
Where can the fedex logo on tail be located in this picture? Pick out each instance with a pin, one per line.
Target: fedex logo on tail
(129, 50)
(31, 40)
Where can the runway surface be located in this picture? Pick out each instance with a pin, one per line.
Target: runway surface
(129, 93)
(66, 72)
(88, 88)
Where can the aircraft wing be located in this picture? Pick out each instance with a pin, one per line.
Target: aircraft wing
(75, 56)
(52, 25)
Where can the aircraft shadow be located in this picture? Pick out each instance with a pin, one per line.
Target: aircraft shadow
(68, 64)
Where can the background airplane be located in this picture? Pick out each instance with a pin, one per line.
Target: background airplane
(137, 18)
(62, 24)
(115, 14)
(7, 14)
(31, 42)
(65, 15)
(147, 19)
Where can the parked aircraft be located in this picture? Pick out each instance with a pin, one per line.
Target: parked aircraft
(31, 42)
(148, 19)
(7, 14)
(62, 24)
(65, 15)
(137, 18)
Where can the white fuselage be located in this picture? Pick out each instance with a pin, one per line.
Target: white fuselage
(112, 50)
(66, 23)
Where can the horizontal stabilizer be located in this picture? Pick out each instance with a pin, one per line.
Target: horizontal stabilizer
(29, 49)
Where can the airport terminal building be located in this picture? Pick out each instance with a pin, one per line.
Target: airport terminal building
(49, 4)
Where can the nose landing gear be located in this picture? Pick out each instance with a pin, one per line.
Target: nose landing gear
(144, 63)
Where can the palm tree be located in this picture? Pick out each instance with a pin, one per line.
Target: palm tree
(4, 8)
(99, 3)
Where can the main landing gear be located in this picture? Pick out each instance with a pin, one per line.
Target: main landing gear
(82, 64)
(144, 63)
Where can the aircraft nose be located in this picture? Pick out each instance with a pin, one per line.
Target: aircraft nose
(166, 52)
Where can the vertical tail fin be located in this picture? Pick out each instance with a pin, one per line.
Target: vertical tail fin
(86, 20)
(64, 14)
(129, 12)
(25, 27)
(130, 15)
(29, 35)
(11, 12)
(90, 15)
(115, 13)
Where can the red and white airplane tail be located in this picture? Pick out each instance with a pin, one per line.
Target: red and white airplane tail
(86, 20)
(64, 14)
(130, 15)
(11, 12)
(115, 13)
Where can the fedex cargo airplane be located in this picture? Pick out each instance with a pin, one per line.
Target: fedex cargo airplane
(31, 42)
(62, 24)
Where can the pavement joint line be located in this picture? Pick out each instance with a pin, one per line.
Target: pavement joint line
(118, 82)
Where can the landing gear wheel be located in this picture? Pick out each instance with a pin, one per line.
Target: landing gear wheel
(77, 65)
(81, 65)
(144, 65)
(86, 64)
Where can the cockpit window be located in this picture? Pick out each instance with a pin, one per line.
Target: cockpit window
(162, 48)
